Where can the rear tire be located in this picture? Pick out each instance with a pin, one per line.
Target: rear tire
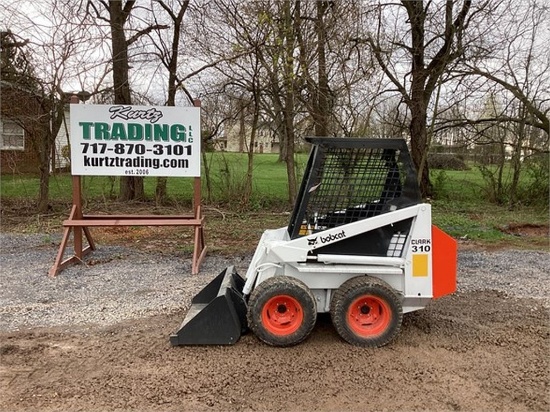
(281, 311)
(367, 312)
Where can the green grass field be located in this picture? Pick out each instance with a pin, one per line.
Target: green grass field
(460, 206)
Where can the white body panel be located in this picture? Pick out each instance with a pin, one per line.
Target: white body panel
(410, 274)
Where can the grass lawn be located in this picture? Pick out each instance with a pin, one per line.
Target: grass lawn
(459, 208)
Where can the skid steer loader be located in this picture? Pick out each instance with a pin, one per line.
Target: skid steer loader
(360, 245)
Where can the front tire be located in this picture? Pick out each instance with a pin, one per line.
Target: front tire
(281, 311)
(366, 312)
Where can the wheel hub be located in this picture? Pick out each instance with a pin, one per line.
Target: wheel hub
(281, 309)
(365, 309)
(368, 315)
(282, 315)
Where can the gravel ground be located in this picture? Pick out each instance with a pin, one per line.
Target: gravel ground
(121, 283)
(116, 284)
(95, 338)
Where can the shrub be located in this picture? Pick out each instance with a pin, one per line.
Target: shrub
(536, 191)
(446, 161)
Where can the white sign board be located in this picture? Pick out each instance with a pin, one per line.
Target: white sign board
(125, 140)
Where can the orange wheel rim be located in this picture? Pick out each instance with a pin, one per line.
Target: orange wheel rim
(282, 315)
(369, 316)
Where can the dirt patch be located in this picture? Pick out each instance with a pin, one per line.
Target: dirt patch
(227, 233)
(521, 236)
(526, 230)
(473, 351)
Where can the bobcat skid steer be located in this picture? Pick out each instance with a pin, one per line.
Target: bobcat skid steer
(360, 245)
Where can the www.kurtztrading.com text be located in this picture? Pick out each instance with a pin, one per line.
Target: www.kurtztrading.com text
(135, 165)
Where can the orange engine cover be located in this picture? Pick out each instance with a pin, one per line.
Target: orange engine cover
(444, 263)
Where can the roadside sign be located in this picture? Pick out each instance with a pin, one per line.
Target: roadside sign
(127, 140)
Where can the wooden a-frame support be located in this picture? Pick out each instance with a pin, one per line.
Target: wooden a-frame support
(79, 224)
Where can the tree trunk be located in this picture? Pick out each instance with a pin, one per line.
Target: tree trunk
(280, 133)
(161, 191)
(49, 130)
(131, 188)
(242, 126)
(289, 103)
(516, 159)
(290, 164)
(44, 191)
(322, 110)
(419, 142)
(419, 97)
(250, 167)
(208, 182)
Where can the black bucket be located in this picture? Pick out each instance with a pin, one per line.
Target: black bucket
(217, 315)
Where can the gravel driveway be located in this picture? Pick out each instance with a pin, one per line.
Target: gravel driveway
(121, 283)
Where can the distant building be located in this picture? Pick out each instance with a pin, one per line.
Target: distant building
(20, 129)
(23, 123)
(236, 138)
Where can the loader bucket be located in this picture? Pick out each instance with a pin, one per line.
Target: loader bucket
(217, 315)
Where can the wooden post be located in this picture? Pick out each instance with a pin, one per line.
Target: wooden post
(199, 250)
(77, 231)
(78, 245)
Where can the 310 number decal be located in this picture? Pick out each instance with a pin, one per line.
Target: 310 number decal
(421, 248)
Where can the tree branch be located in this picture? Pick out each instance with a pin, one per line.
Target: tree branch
(518, 93)
(378, 56)
(145, 31)
(209, 65)
(449, 124)
(441, 59)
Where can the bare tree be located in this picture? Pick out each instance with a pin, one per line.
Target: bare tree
(55, 44)
(316, 58)
(516, 60)
(119, 12)
(168, 54)
(414, 42)
(245, 79)
(510, 69)
(259, 76)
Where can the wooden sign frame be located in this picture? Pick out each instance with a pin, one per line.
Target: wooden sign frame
(79, 225)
